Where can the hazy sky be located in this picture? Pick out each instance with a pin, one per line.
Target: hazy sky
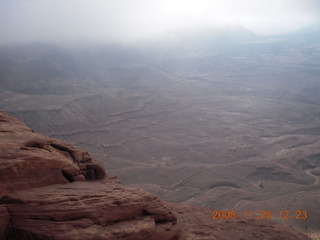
(127, 20)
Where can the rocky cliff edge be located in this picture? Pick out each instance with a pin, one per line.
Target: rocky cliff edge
(50, 189)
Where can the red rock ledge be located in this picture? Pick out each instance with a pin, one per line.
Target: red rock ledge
(50, 189)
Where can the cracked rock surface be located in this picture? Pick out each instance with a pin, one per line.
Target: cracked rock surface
(89, 210)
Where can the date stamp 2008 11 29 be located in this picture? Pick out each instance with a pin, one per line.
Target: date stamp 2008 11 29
(263, 214)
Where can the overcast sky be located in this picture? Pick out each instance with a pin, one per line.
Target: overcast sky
(131, 20)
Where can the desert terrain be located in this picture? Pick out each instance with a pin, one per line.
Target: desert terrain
(230, 132)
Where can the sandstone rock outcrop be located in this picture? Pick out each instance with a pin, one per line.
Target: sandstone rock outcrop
(37, 203)
(50, 189)
(89, 210)
(29, 159)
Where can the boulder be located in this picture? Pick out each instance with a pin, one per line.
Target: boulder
(29, 159)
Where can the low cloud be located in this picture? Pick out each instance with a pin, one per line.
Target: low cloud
(133, 20)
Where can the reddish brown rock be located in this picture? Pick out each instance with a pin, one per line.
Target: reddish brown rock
(197, 223)
(4, 221)
(77, 210)
(29, 159)
(89, 210)
(43, 195)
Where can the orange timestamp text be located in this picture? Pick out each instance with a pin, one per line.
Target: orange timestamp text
(263, 214)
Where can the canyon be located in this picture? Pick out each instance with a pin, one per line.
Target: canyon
(53, 190)
(229, 126)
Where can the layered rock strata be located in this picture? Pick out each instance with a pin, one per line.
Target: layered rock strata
(50, 189)
(89, 210)
(29, 159)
